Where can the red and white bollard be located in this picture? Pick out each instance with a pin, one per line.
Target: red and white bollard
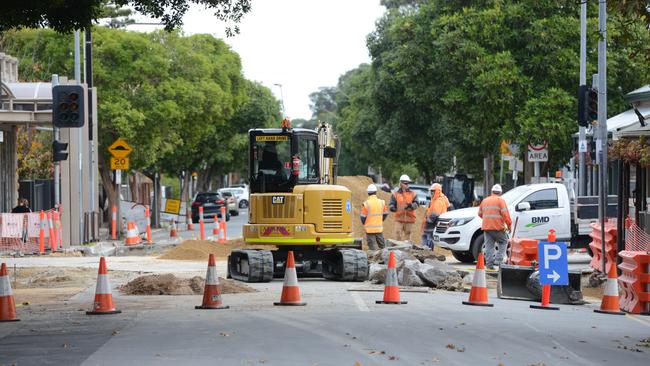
(188, 219)
(222, 232)
(59, 225)
(41, 233)
(114, 223)
(201, 224)
(50, 225)
(147, 213)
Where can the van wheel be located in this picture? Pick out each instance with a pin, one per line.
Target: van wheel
(463, 256)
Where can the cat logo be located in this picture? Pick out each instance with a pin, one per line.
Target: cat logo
(277, 200)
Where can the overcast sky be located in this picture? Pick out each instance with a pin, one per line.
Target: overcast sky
(300, 44)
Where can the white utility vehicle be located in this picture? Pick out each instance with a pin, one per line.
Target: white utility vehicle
(536, 208)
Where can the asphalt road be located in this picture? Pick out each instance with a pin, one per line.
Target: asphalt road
(337, 327)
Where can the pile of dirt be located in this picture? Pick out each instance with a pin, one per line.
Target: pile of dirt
(168, 284)
(358, 185)
(200, 250)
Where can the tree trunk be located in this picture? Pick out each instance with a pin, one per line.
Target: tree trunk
(203, 181)
(489, 173)
(185, 194)
(109, 188)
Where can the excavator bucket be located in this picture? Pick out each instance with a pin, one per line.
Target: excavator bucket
(522, 283)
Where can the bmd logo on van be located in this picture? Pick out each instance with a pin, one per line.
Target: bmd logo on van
(277, 200)
(538, 221)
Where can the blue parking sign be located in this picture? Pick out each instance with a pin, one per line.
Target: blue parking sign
(553, 263)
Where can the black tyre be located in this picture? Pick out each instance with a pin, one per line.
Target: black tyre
(477, 246)
(228, 216)
(234, 213)
(243, 204)
(463, 256)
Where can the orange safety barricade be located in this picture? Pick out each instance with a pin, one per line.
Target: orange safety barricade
(610, 246)
(33, 232)
(523, 251)
(635, 282)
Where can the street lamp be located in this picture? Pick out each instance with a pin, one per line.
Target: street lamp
(281, 99)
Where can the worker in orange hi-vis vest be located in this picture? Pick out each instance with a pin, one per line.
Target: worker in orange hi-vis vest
(403, 203)
(373, 214)
(439, 204)
(496, 225)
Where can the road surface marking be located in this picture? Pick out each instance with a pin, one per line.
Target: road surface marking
(630, 316)
(359, 301)
(558, 345)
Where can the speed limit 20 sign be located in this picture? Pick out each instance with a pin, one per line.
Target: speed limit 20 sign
(119, 163)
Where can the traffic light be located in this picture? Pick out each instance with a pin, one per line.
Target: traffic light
(592, 105)
(58, 151)
(68, 106)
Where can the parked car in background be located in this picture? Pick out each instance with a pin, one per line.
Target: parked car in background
(212, 202)
(241, 194)
(423, 192)
(233, 207)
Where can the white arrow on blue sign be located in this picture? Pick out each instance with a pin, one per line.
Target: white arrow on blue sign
(553, 263)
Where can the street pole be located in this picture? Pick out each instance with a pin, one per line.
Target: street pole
(582, 177)
(57, 165)
(88, 78)
(602, 118)
(77, 77)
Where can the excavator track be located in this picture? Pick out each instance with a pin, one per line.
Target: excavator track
(251, 265)
(346, 265)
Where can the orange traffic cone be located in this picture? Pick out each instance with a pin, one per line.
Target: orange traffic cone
(215, 229)
(610, 304)
(391, 287)
(478, 295)
(290, 289)
(211, 292)
(132, 236)
(103, 295)
(173, 233)
(7, 304)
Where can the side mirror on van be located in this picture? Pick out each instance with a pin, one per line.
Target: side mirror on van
(523, 206)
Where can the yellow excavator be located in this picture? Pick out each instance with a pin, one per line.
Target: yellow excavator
(296, 205)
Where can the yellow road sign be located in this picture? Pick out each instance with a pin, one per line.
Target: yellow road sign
(173, 206)
(119, 163)
(120, 149)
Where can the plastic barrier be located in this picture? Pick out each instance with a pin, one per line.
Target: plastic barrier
(596, 246)
(21, 232)
(635, 282)
(523, 251)
(11, 232)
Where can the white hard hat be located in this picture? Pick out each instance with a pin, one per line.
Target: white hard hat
(435, 186)
(404, 178)
(497, 188)
(372, 188)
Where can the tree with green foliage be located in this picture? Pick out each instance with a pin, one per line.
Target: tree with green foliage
(66, 16)
(455, 78)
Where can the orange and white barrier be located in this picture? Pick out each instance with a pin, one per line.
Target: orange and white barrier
(103, 303)
(173, 233)
(114, 223)
(391, 285)
(290, 290)
(610, 303)
(41, 233)
(132, 235)
(190, 224)
(7, 304)
(53, 239)
(147, 214)
(478, 295)
(201, 224)
(215, 229)
(211, 292)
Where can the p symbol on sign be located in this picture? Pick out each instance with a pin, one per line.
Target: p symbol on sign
(548, 257)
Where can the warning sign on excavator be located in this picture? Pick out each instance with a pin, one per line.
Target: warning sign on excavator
(271, 138)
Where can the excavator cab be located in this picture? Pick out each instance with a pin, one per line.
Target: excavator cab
(296, 205)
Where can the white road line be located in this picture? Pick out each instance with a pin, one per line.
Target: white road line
(359, 301)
